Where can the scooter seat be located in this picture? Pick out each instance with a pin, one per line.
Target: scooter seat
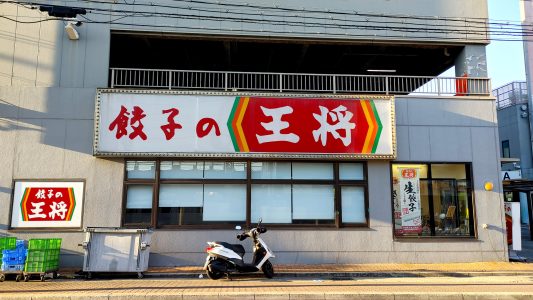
(237, 248)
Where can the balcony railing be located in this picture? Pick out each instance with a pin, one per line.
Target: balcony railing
(297, 82)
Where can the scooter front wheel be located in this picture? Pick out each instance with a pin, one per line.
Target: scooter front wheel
(268, 269)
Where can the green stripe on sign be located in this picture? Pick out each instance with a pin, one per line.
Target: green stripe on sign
(380, 127)
(230, 128)
(22, 201)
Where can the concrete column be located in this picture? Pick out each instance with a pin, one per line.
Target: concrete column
(472, 61)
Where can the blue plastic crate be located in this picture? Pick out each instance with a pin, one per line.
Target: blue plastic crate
(20, 244)
(17, 256)
(12, 267)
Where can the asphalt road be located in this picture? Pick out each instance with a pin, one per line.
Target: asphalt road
(479, 287)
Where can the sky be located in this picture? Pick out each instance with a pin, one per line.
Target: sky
(505, 60)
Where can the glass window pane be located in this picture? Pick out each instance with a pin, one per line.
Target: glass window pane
(448, 171)
(224, 202)
(313, 202)
(139, 196)
(353, 204)
(182, 169)
(349, 171)
(181, 195)
(272, 203)
(451, 207)
(224, 170)
(271, 170)
(137, 169)
(138, 204)
(312, 170)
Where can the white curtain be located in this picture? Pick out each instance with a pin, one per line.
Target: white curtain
(353, 204)
(272, 203)
(181, 195)
(224, 202)
(312, 202)
(139, 196)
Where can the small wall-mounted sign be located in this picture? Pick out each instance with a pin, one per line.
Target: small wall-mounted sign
(47, 204)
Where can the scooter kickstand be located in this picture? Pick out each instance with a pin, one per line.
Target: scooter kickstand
(229, 277)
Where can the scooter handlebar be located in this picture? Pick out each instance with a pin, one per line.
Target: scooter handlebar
(241, 237)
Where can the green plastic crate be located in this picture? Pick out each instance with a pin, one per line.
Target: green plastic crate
(38, 244)
(44, 244)
(54, 244)
(40, 266)
(43, 255)
(42, 260)
(8, 243)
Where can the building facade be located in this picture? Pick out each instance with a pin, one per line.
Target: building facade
(326, 121)
(514, 135)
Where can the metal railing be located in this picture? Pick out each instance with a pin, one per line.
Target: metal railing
(298, 82)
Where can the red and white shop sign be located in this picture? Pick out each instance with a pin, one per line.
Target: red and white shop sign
(47, 204)
(136, 123)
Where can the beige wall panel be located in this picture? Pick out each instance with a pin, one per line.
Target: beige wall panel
(7, 43)
(26, 48)
(49, 60)
(103, 192)
(39, 152)
(8, 129)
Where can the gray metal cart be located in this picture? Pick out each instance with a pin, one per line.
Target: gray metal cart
(116, 250)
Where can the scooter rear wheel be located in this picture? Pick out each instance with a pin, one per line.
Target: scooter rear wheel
(268, 269)
(213, 274)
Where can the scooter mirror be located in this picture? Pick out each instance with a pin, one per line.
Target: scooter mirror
(238, 227)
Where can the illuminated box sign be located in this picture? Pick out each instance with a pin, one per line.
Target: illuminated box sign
(47, 204)
(137, 123)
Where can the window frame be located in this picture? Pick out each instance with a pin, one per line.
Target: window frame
(248, 181)
(470, 194)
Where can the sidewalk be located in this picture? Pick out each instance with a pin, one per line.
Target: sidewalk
(372, 270)
(364, 281)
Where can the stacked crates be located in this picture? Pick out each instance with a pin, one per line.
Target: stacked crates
(43, 255)
(7, 243)
(13, 260)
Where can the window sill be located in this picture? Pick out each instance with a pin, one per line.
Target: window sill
(435, 238)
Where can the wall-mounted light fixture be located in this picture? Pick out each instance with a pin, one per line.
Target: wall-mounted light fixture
(71, 31)
(488, 185)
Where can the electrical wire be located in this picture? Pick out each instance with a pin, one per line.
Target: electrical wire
(307, 24)
(128, 13)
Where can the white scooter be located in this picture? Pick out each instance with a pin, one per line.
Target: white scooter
(224, 258)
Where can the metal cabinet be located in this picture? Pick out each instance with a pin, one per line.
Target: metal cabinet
(116, 250)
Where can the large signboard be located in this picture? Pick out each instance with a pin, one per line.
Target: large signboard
(38, 204)
(139, 123)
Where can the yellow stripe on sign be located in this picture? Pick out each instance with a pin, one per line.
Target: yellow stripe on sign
(239, 124)
(366, 146)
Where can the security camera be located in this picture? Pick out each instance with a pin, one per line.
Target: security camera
(71, 31)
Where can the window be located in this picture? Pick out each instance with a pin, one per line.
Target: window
(506, 150)
(432, 200)
(214, 193)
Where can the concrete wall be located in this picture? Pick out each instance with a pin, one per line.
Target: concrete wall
(47, 89)
(309, 19)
